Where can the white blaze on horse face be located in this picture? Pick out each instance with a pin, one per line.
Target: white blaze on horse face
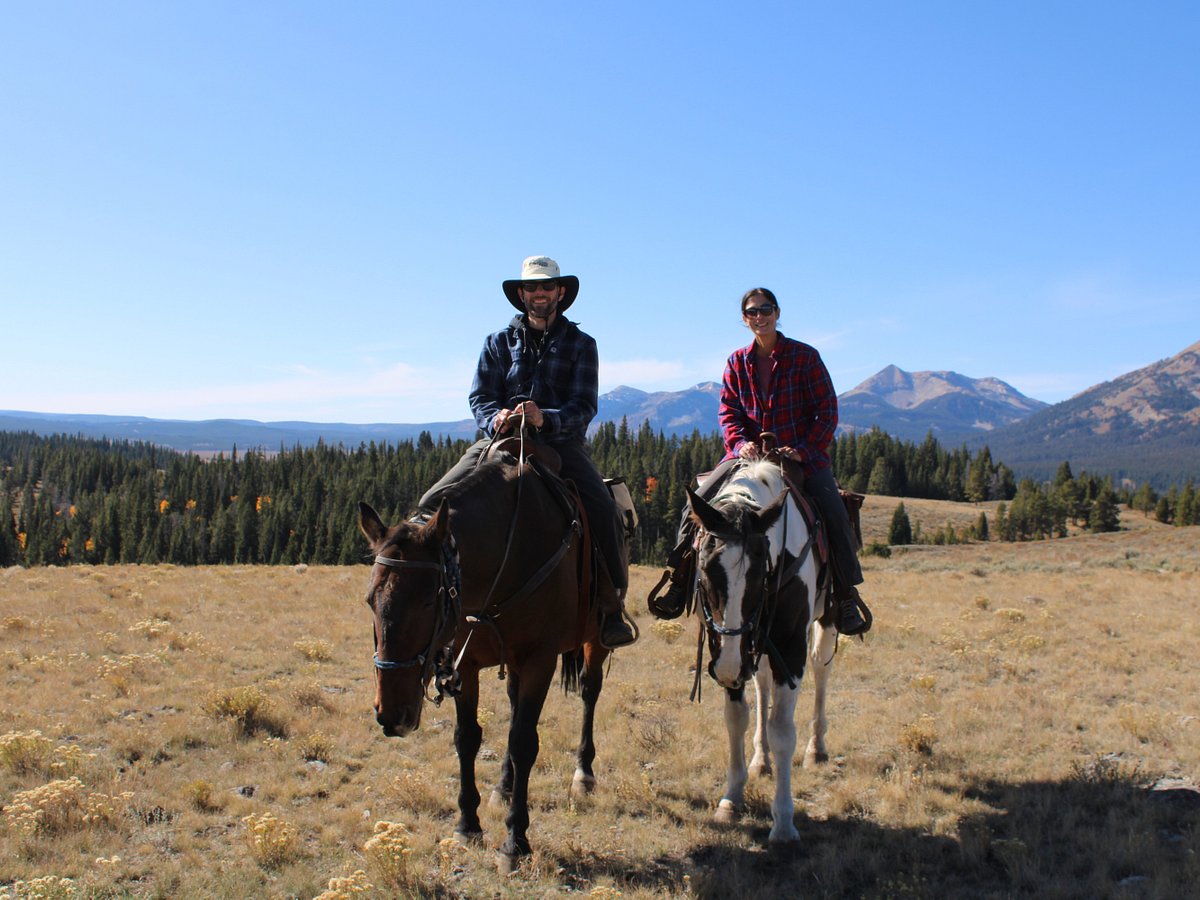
(763, 482)
(728, 665)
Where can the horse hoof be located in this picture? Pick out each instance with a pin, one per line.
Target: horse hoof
(470, 838)
(760, 770)
(506, 863)
(582, 785)
(500, 800)
(815, 759)
(727, 813)
(783, 836)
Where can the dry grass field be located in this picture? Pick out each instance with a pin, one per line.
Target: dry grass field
(1022, 721)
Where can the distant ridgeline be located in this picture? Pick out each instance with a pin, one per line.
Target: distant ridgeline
(72, 499)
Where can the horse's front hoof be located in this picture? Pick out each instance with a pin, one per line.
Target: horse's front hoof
(470, 838)
(727, 813)
(783, 836)
(582, 785)
(500, 800)
(815, 758)
(509, 858)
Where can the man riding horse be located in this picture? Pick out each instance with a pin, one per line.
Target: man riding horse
(777, 386)
(542, 372)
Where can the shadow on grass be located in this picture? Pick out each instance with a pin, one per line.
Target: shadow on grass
(1098, 834)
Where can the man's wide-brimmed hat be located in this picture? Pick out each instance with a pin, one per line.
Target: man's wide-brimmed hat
(542, 268)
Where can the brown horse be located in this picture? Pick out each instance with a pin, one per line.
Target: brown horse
(492, 579)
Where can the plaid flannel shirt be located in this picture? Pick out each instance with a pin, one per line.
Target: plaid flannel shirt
(563, 380)
(801, 409)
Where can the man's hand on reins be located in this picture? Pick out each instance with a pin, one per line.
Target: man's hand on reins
(528, 411)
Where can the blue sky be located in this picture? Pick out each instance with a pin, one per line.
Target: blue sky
(304, 211)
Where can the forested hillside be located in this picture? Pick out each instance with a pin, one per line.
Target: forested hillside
(70, 499)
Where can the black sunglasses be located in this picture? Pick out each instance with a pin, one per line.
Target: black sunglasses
(752, 311)
(548, 284)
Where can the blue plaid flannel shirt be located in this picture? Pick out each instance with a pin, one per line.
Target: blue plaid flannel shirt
(563, 380)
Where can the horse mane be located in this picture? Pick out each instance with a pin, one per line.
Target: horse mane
(480, 484)
(750, 488)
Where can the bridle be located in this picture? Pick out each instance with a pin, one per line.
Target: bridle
(448, 610)
(758, 625)
(751, 626)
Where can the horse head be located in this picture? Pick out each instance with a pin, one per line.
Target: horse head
(732, 567)
(414, 605)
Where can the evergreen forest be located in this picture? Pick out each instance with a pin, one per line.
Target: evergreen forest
(68, 499)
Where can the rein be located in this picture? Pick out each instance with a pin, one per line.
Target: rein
(757, 627)
(446, 664)
(449, 593)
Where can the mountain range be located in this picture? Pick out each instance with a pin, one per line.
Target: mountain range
(1144, 425)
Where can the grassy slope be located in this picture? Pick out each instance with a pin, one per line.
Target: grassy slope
(992, 737)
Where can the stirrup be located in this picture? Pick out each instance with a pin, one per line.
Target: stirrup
(617, 630)
(671, 605)
(854, 617)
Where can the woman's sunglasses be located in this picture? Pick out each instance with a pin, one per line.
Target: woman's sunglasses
(752, 311)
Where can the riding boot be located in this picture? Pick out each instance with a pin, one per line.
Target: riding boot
(853, 616)
(616, 631)
(681, 572)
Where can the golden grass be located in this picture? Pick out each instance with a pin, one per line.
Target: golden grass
(182, 732)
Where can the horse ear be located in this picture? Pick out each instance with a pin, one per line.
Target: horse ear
(703, 514)
(767, 516)
(441, 521)
(371, 525)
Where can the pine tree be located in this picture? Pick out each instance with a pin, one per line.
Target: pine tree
(8, 532)
(979, 476)
(981, 527)
(1105, 514)
(900, 530)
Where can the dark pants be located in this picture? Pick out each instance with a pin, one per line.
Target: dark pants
(823, 489)
(577, 466)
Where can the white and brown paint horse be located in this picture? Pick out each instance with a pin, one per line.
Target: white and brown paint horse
(760, 595)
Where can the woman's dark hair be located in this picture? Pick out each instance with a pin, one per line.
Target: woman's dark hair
(761, 291)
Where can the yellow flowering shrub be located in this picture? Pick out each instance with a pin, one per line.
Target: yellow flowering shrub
(346, 887)
(272, 840)
(314, 649)
(388, 851)
(60, 806)
(48, 887)
(668, 631)
(25, 751)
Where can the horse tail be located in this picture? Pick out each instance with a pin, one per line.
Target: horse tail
(572, 669)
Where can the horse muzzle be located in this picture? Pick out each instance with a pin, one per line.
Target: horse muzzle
(400, 724)
(727, 680)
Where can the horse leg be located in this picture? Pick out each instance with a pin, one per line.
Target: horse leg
(591, 683)
(760, 763)
(823, 642)
(737, 718)
(467, 738)
(530, 690)
(781, 726)
(501, 797)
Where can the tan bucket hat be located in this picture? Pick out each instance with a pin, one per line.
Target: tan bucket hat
(538, 268)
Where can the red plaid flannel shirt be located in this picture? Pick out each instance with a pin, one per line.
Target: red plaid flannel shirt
(801, 409)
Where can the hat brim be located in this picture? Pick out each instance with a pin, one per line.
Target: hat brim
(570, 282)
